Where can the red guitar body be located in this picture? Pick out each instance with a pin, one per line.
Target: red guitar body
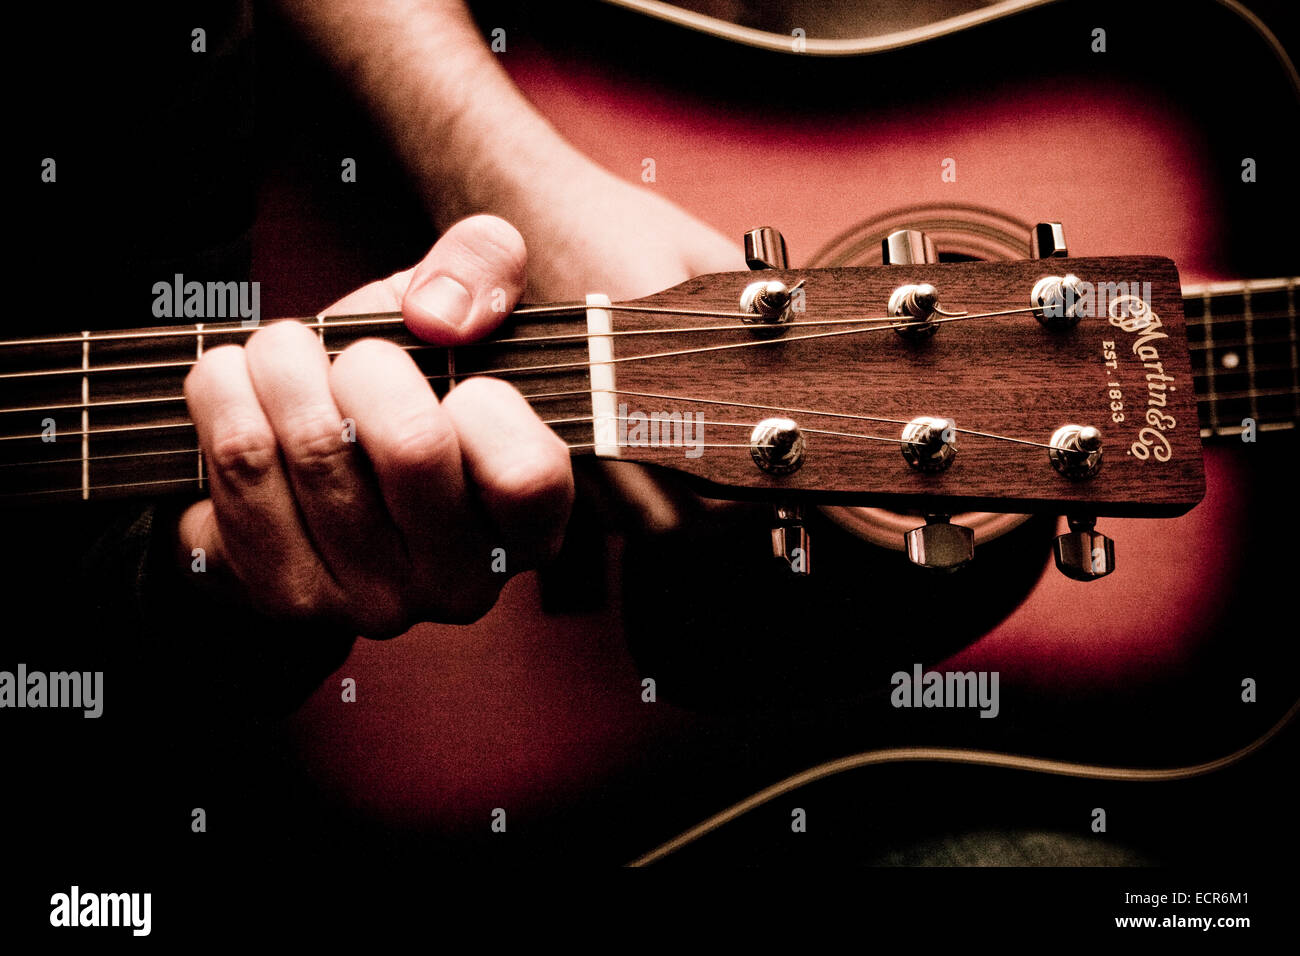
(543, 714)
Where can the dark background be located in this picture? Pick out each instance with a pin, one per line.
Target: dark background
(167, 170)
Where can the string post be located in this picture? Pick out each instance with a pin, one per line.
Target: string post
(930, 444)
(768, 305)
(777, 446)
(1075, 451)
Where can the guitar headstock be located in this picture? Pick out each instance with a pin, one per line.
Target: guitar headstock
(955, 409)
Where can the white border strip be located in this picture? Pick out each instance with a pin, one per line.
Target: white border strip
(600, 349)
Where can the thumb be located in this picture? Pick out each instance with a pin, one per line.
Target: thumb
(468, 282)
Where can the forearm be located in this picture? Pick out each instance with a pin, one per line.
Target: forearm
(474, 143)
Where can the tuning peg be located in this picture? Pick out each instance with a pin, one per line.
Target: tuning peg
(939, 544)
(1047, 241)
(907, 247)
(1083, 553)
(765, 249)
(790, 542)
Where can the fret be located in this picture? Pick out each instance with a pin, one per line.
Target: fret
(1209, 361)
(198, 354)
(1250, 353)
(85, 417)
(1295, 359)
(1244, 346)
(451, 368)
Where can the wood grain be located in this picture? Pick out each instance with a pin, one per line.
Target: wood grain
(1005, 375)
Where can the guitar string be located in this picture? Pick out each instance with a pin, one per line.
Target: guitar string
(570, 445)
(571, 393)
(887, 324)
(379, 319)
(195, 480)
(532, 397)
(514, 340)
(584, 365)
(890, 324)
(167, 399)
(981, 758)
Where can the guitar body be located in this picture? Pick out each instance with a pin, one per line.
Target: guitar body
(755, 677)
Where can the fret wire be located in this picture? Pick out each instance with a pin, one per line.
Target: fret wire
(1210, 371)
(198, 355)
(1250, 353)
(1295, 360)
(85, 417)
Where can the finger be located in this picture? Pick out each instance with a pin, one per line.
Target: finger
(261, 538)
(468, 282)
(519, 468)
(342, 511)
(414, 449)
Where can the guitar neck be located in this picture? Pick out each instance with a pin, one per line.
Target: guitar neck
(103, 414)
(1244, 356)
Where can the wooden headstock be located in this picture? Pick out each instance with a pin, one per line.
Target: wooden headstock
(1007, 382)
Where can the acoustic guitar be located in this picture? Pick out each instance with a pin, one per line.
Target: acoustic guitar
(919, 441)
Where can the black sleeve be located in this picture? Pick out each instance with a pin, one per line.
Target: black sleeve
(154, 144)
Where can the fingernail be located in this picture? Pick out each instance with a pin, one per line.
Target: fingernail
(446, 299)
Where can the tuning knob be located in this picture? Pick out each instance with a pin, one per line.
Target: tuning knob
(790, 541)
(907, 247)
(1083, 553)
(765, 249)
(1047, 241)
(939, 544)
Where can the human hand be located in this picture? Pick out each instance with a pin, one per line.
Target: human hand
(399, 525)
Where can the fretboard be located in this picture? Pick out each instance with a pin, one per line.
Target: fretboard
(1243, 341)
(103, 414)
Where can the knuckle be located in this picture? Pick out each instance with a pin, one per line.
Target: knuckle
(418, 443)
(536, 477)
(316, 448)
(492, 247)
(248, 455)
